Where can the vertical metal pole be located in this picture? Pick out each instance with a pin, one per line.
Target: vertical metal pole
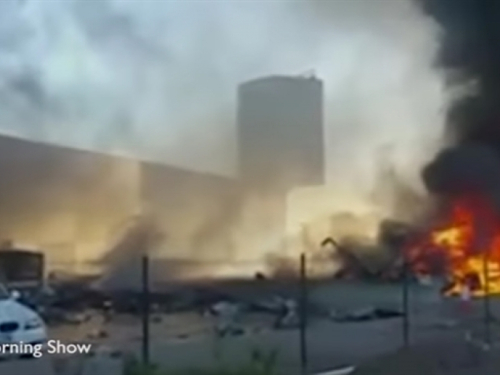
(487, 305)
(145, 310)
(303, 315)
(406, 303)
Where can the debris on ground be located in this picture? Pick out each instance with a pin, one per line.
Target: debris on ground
(78, 303)
(288, 317)
(260, 276)
(363, 258)
(226, 315)
(98, 333)
(366, 314)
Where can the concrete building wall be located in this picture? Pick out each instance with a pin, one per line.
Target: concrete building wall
(63, 201)
(280, 141)
(77, 206)
(111, 198)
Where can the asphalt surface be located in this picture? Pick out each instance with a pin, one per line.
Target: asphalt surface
(49, 365)
(42, 366)
(184, 341)
(330, 345)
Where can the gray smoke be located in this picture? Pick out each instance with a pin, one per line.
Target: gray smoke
(158, 79)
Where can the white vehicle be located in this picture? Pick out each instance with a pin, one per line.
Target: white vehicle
(18, 323)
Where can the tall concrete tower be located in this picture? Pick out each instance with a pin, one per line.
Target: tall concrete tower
(280, 130)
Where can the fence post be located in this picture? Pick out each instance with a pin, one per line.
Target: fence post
(145, 310)
(406, 303)
(487, 305)
(303, 314)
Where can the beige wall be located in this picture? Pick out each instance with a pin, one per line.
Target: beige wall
(77, 205)
(109, 198)
(63, 201)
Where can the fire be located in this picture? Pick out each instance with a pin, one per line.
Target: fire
(465, 246)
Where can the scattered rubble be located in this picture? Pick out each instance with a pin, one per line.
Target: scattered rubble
(368, 259)
(81, 303)
(288, 317)
(226, 315)
(260, 276)
(366, 314)
(98, 333)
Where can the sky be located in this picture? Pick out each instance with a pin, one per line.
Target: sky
(158, 79)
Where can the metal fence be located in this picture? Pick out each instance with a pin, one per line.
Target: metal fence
(337, 322)
(343, 321)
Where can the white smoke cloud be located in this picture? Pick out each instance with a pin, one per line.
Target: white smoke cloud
(158, 79)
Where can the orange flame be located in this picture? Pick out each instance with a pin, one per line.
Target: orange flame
(465, 246)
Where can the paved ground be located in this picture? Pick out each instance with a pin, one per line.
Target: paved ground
(442, 357)
(332, 345)
(183, 340)
(41, 366)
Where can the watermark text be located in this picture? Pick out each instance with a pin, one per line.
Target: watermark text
(38, 350)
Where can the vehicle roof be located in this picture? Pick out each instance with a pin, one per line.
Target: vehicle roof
(20, 251)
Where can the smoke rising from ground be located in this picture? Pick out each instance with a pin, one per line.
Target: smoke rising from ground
(158, 79)
(470, 55)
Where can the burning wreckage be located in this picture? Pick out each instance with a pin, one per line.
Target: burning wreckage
(461, 245)
(461, 238)
(464, 245)
(446, 249)
(381, 260)
(464, 239)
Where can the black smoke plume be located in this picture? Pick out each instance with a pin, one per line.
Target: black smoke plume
(470, 56)
(467, 168)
